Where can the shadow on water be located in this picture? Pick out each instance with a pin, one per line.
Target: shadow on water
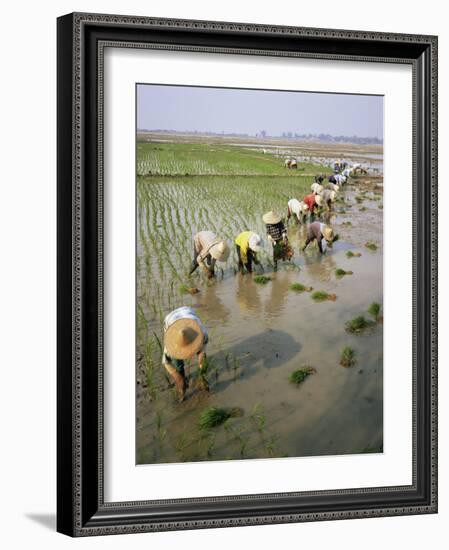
(267, 350)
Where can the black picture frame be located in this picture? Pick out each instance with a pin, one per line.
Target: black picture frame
(81, 510)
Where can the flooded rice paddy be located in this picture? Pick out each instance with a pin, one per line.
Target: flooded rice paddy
(259, 334)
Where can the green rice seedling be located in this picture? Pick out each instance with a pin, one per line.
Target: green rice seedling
(258, 417)
(261, 279)
(299, 287)
(341, 272)
(347, 358)
(359, 198)
(271, 446)
(347, 224)
(357, 324)
(181, 444)
(299, 375)
(362, 209)
(321, 296)
(351, 254)
(215, 416)
(380, 207)
(371, 245)
(237, 433)
(161, 432)
(374, 310)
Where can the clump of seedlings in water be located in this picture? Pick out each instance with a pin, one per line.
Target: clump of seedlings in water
(299, 287)
(362, 209)
(347, 358)
(322, 296)
(371, 245)
(358, 324)
(359, 198)
(351, 254)
(341, 272)
(261, 279)
(185, 289)
(374, 311)
(380, 206)
(299, 375)
(347, 224)
(215, 416)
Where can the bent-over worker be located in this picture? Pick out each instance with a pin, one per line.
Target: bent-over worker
(297, 208)
(208, 249)
(277, 235)
(184, 338)
(319, 231)
(248, 244)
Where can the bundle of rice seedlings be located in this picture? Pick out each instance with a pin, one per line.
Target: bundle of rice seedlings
(351, 254)
(321, 296)
(357, 324)
(299, 287)
(362, 209)
(347, 358)
(374, 310)
(348, 223)
(371, 245)
(340, 272)
(299, 375)
(184, 289)
(261, 279)
(215, 416)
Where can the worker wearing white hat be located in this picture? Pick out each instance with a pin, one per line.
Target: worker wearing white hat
(208, 249)
(248, 244)
(184, 338)
(297, 208)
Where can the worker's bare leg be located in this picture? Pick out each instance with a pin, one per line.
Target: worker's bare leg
(179, 379)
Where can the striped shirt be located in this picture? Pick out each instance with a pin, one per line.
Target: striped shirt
(276, 231)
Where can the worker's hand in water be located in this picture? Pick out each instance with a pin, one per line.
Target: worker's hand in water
(210, 274)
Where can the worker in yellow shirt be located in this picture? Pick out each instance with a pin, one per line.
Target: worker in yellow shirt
(248, 244)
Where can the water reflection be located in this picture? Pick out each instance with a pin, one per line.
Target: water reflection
(212, 307)
(279, 289)
(247, 295)
(320, 267)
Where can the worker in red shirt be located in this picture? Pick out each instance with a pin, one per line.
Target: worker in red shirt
(312, 201)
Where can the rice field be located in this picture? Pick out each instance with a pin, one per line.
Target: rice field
(257, 333)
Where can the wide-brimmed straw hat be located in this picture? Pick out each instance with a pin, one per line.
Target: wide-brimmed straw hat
(328, 233)
(255, 243)
(271, 217)
(219, 251)
(183, 338)
(319, 200)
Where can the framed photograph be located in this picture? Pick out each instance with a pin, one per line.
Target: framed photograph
(247, 274)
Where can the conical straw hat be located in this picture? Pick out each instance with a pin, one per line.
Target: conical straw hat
(183, 338)
(271, 218)
(219, 251)
(328, 233)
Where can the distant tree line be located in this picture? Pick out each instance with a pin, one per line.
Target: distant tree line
(285, 135)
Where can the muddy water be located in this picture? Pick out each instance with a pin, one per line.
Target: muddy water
(259, 334)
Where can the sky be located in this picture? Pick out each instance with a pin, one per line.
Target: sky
(229, 110)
